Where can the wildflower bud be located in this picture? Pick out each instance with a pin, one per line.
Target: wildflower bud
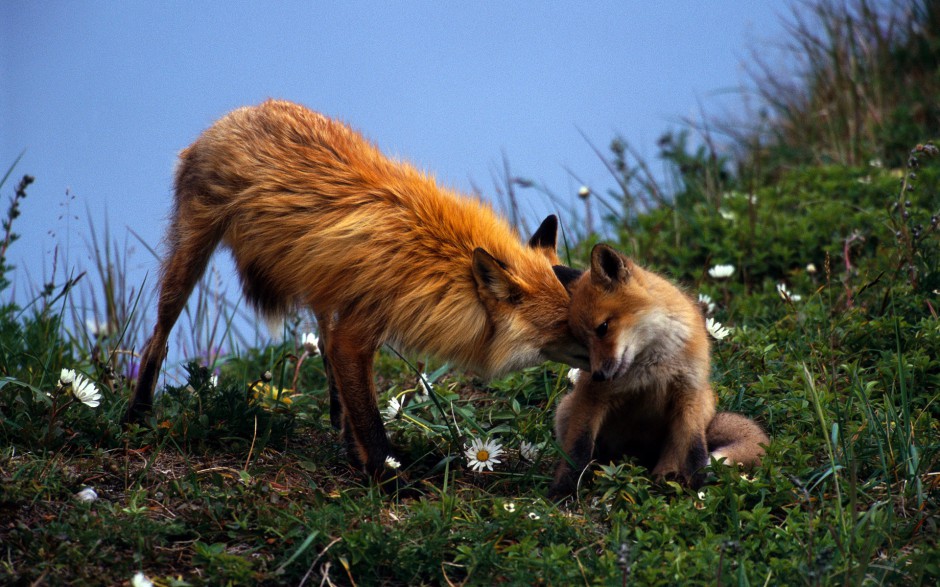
(912, 175)
(87, 495)
(898, 235)
(584, 192)
(934, 220)
(907, 204)
(267, 376)
(311, 343)
(66, 377)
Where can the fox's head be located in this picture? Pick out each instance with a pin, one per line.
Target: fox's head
(618, 317)
(527, 301)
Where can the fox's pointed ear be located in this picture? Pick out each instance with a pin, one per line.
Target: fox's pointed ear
(608, 267)
(566, 275)
(545, 238)
(494, 282)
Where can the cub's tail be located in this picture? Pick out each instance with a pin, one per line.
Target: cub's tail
(737, 439)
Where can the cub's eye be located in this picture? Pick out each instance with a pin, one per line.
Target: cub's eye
(601, 330)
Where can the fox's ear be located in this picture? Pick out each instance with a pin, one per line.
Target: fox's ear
(608, 267)
(545, 238)
(566, 275)
(494, 282)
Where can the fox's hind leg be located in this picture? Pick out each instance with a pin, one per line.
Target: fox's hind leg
(191, 245)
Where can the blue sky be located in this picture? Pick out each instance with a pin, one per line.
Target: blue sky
(103, 95)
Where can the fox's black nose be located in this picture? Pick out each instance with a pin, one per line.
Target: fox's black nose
(598, 376)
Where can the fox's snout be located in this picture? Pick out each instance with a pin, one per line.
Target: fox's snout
(602, 371)
(611, 368)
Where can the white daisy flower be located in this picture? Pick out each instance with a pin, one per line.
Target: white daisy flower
(811, 268)
(392, 463)
(534, 516)
(706, 301)
(700, 505)
(573, 374)
(85, 391)
(311, 343)
(423, 391)
(66, 377)
(96, 328)
(716, 329)
(482, 454)
(141, 580)
(721, 271)
(529, 450)
(87, 495)
(509, 507)
(393, 409)
(786, 294)
(727, 214)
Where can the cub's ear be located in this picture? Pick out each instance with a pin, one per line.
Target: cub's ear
(493, 279)
(608, 267)
(566, 275)
(545, 238)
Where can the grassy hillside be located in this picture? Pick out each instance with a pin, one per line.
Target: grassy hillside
(240, 480)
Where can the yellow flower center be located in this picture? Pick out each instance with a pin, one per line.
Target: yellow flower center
(483, 455)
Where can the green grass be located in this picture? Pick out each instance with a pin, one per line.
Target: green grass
(227, 488)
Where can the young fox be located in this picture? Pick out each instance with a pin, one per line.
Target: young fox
(315, 215)
(648, 393)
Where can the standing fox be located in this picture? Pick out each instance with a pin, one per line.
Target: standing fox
(648, 394)
(315, 215)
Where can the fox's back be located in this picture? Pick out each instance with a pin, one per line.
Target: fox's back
(298, 197)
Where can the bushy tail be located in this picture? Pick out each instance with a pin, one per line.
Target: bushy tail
(737, 439)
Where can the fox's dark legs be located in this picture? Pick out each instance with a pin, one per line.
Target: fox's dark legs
(576, 428)
(684, 453)
(181, 269)
(325, 323)
(351, 356)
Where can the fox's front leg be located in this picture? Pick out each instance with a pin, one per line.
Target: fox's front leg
(325, 325)
(577, 421)
(685, 450)
(350, 355)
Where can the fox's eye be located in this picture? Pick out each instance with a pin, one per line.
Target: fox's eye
(601, 330)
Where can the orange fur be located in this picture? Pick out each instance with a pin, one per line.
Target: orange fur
(647, 394)
(316, 216)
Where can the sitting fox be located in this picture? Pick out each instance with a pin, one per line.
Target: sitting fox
(648, 394)
(314, 215)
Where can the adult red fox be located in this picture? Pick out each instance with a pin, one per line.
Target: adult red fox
(316, 216)
(648, 394)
